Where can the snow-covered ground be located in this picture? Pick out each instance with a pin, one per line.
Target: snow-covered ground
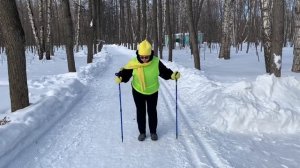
(231, 114)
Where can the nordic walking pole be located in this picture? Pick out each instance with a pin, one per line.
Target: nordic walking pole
(176, 111)
(120, 109)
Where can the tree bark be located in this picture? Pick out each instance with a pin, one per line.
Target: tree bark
(33, 26)
(138, 26)
(265, 13)
(48, 30)
(77, 25)
(144, 20)
(160, 29)
(90, 33)
(69, 40)
(168, 26)
(129, 25)
(296, 61)
(277, 37)
(155, 33)
(41, 29)
(193, 34)
(226, 30)
(14, 41)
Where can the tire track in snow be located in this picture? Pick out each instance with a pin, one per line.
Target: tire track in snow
(212, 157)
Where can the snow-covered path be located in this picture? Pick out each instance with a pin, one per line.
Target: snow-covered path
(221, 123)
(89, 135)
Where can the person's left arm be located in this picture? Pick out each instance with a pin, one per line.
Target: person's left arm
(164, 72)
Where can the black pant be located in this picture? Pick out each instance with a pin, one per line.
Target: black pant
(140, 103)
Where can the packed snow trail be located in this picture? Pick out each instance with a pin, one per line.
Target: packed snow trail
(89, 135)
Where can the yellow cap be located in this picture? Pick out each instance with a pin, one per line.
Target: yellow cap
(145, 48)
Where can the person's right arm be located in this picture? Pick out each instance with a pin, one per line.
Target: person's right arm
(125, 74)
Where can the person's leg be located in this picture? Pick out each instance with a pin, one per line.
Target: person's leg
(140, 104)
(152, 112)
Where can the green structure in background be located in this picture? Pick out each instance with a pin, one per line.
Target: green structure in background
(184, 39)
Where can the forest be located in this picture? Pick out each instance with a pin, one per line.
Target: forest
(42, 25)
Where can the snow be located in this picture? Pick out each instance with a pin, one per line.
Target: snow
(231, 114)
(277, 60)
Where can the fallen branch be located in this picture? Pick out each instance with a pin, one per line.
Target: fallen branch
(4, 121)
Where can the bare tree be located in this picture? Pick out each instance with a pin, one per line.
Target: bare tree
(168, 26)
(226, 30)
(69, 41)
(78, 10)
(155, 32)
(129, 25)
(48, 30)
(160, 28)
(193, 34)
(277, 37)
(41, 29)
(144, 20)
(90, 33)
(14, 41)
(33, 26)
(266, 21)
(296, 61)
(138, 25)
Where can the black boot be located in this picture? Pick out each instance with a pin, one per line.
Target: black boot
(154, 137)
(142, 137)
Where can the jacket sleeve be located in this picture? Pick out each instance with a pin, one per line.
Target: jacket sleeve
(125, 74)
(164, 72)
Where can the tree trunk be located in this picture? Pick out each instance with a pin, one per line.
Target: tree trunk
(122, 23)
(77, 25)
(41, 29)
(138, 26)
(168, 26)
(33, 26)
(226, 30)
(265, 13)
(296, 61)
(160, 29)
(90, 33)
(277, 37)
(144, 20)
(14, 41)
(95, 25)
(48, 30)
(193, 34)
(154, 20)
(69, 35)
(129, 25)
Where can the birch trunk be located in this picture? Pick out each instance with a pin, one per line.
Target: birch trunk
(41, 28)
(265, 13)
(77, 26)
(33, 26)
(226, 30)
(48, 30)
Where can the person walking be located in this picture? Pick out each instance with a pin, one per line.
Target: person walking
(145, 69)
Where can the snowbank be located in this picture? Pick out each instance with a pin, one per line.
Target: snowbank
(51, 97)
(266, 105)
